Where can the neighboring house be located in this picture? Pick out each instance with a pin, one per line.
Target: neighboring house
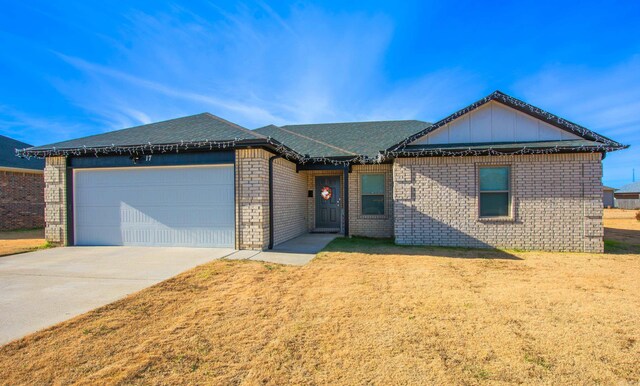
(607, 197)
(21, 188)
(628, 196)
(498, 173)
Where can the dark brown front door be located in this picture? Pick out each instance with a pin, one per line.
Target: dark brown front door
(328, 202)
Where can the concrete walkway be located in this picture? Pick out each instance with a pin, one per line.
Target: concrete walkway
(39, 289)
(297, 251)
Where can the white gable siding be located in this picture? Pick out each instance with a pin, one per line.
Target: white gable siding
(495, 122)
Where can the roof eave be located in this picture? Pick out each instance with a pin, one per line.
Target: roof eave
(489, 150)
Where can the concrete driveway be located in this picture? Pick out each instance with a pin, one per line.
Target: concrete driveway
(39, 289)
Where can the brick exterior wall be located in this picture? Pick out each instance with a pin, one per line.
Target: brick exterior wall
(55, 198)
(556, 204)
(21, 200)
(252, 198)
(370, 225)
(289, 201)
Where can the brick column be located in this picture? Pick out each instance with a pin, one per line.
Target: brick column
(55, 198)
(593, 210)
(252, 198)
(403, 205)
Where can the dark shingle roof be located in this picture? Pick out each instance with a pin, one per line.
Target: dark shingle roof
(301, 144)
(363, 141)
(8, 158)
(633, 187)
(198, 127)
(343, 139)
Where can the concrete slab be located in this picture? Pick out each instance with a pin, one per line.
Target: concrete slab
(42, 288)
(242, 255)
(297, 251)
(286, 258)
(307, 243)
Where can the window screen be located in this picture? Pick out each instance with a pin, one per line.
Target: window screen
(372, 190)
(494, 191)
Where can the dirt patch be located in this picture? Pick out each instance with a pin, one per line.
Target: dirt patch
(619, 213)
(362, 313)
(21, 241)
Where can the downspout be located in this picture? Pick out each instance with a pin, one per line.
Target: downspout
(271, 159)
(345, 177)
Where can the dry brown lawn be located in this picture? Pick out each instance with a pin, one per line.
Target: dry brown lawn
(363, 312)
(21, 241)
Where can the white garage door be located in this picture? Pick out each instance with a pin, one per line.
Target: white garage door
(155, 206)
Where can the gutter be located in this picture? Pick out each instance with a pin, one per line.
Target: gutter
(271, 160)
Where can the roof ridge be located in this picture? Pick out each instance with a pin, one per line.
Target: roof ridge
(316, 140)
(233, 124)
(343, 123)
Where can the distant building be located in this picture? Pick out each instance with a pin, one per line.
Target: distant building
(607, 197)
(628, 196)
(21, 188)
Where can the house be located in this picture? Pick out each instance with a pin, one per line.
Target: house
(498, 173)
(607, 197)
(21, 188)
(628, 196)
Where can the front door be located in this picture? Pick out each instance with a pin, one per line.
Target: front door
(328, 202)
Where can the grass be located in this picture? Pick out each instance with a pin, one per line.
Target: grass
(613, 246)
(363, 312)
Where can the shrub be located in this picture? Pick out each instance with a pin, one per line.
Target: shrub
(638, 215)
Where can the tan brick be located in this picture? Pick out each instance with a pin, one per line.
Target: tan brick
(55, 200)
(557, 203)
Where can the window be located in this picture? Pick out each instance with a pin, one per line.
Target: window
(372, 188)
(495, 191)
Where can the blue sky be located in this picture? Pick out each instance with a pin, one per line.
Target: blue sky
(71, 69)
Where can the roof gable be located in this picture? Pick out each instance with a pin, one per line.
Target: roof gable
(494, 122)
(522, 107)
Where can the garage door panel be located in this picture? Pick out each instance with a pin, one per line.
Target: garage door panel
(138, 196)
(177, 206)
(181, 237)
(219, 216)
(157, 176)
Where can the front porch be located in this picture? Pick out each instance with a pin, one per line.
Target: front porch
(278, 200)
(327, 199)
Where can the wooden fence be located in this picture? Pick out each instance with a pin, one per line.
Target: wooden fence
(627, 203)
